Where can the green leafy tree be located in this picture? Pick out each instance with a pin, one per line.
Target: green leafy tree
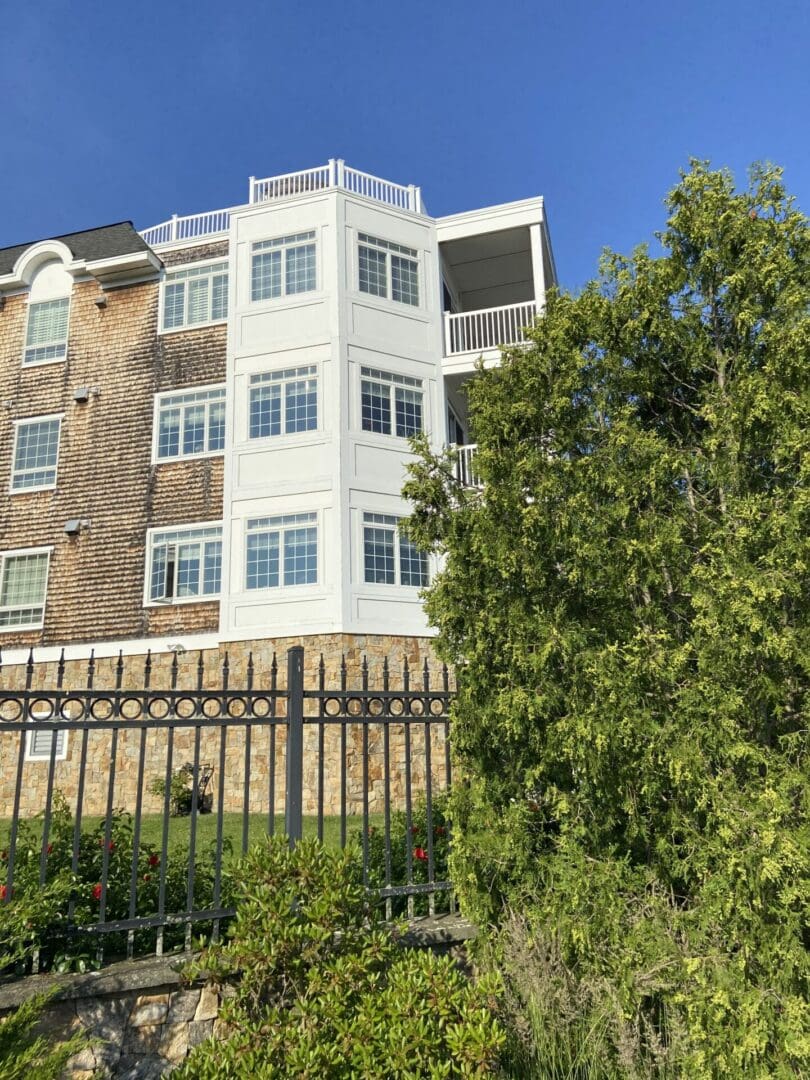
(626, 603)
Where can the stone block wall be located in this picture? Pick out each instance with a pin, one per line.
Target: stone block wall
(321, 745)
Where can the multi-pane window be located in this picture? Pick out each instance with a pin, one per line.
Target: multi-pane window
(283, 402)
(47, 331)
(190, 423)
(35, 452)
(389, 557)
(281, 551)
(23, 580)
(390, 404)
(195, 295)
(42, 745)
(185, 564)
(387, 269)
(283, 266)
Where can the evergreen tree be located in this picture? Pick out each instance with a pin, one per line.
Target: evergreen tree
(626, 603)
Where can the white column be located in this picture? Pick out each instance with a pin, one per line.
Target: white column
(538, 272)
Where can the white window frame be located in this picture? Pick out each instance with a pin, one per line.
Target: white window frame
(18, 424)
(283, 523)
(61, 737)
(376, 519)
(189, 529)
(393, 380)
(283, 377)
(17, 553)
(283, 244)
(50, 344)
(173, 275)
(167, 401)
(390, 250)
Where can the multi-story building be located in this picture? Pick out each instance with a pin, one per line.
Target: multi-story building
(204, 426)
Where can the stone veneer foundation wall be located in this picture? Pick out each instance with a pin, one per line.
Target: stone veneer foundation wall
(334, 649)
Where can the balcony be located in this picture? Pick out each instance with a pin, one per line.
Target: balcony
(487, 330)
(464, 468)
(334, 175)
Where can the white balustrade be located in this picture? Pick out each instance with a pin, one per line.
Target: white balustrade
(465, 466)
(488, 328)
(335, 174)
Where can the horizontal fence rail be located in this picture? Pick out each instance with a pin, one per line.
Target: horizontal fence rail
(334, 174)
(489, 328)
(140, 796)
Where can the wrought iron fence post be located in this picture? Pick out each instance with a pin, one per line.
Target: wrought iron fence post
(295, 744)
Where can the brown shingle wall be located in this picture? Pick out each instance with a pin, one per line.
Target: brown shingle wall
(105, 473)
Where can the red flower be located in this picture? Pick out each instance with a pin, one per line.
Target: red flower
(154, 860)
(97, 891)
(440, 830)
(110, 846)
(147, 877)
(49, 849)
(419, 853)
(414, 830)
(2, 892)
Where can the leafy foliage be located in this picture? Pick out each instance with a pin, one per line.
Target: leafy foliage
(36, 915)
(321, 989)
(408, 860)
(626, 603)
(25, 1053)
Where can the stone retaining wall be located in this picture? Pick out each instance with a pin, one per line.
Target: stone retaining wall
(141, 1017)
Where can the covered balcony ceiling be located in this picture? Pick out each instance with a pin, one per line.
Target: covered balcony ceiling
(490, 269)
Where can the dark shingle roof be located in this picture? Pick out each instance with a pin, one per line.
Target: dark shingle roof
(103, 243)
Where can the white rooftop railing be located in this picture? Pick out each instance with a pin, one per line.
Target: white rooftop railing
(487, 328)
(335, 174)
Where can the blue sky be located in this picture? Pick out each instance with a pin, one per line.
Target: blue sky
(116, 110)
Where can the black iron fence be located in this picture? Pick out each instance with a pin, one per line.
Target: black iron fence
(122, 808)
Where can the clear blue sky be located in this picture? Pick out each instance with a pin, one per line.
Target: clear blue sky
(137, 110)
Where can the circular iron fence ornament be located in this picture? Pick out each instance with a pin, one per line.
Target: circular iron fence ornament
(10, 710)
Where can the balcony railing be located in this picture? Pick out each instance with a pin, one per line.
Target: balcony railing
(465, 466)
(335, 174)
(488, 328)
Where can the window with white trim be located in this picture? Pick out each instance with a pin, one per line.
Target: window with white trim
(281, 550)
(23, 582)
(283, 267)
(283, 402)
(389, 557)
(184, 564)
(190, 423)
(387, 269)
(36, 448)
(47, 331)
(195, 295)
(390, 404)
(42, 744)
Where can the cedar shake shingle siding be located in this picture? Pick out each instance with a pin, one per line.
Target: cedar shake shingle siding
(105, 472)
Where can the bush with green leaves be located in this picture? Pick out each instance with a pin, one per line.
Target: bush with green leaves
(409, 844)
(626, 604)
(321, 989)
(36, 914)
(25, 1051)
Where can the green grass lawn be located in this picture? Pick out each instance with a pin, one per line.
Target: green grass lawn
(206, 832)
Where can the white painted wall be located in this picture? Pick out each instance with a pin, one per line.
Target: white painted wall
(338, 471)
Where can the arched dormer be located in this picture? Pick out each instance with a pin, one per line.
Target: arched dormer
(49, 288)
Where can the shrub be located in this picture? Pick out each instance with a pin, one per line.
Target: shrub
(626, 603)
(36, 915)
(411, 840)
(180, 791)
(25, 1053)
(321, 989)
